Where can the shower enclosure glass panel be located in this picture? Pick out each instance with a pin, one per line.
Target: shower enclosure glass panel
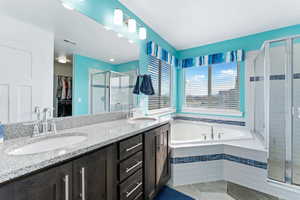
(112, 91)
(296, 112)
(259, 99)
(277, 110)
(99, 93)
(121, 92)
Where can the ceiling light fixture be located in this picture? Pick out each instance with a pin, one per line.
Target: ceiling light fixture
(118, 17)
(131, 25)
(119, 35)
(130, 41)
(66, 6)
(111, 60)
(142, 33)
(62, 59)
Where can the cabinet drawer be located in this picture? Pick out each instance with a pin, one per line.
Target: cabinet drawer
(132, 188)
(131, 165)
(130, 146)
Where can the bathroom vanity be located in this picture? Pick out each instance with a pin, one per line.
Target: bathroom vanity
(134, 168)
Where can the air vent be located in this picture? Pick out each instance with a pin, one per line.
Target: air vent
(70, 42)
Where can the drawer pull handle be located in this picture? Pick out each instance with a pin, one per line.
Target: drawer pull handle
(133, 167)
(133, 147)
(134, 189)
(82, 195)
(66, 180)
(138, 196)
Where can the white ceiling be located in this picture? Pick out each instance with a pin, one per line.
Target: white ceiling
(91, 37)
(190, 23)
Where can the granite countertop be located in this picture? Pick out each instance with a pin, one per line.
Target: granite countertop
(98, 135)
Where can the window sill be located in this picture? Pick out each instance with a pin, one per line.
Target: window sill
(162, 111)
(216, 112)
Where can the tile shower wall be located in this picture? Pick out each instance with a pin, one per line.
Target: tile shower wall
(239, 173)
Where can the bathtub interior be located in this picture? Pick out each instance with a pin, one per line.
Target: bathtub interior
(183, 131)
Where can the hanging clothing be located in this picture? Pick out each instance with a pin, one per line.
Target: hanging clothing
(136, 89)
(146, 86)
(59, 87)
(64, 88)
(69, 91)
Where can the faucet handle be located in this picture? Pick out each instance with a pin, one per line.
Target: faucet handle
(47, 113)
(53, 127)
(36, 129)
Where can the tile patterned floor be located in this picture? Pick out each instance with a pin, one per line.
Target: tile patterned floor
(206, 191)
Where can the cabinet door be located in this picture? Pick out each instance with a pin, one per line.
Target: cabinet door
(150, 164)
(163, 167)
(94, 176)
(6, 192)
(46, 185)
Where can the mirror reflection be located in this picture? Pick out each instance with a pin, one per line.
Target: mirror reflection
(62, 60)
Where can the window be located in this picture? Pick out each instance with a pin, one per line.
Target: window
(213, 87)
(160, 73)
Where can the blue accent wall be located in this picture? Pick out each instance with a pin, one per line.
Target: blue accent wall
(81, 67)
(248, 43)
(102, 12)
(129, 66)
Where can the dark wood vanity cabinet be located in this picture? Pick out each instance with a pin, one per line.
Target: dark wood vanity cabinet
(51, 184)
(157, 160)
(6, 192)
(90, 177)
(133, 169)
(94, 176)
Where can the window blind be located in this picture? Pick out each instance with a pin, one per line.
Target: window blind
(160, 74)
(214, 86)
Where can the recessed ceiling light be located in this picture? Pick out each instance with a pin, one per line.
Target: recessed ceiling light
(111, 60)
(130, 41)
(67, 6)
(120, 35)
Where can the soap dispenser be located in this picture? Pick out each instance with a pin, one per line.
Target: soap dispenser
(1, 133)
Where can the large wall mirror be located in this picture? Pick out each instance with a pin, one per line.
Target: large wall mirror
(52, 57)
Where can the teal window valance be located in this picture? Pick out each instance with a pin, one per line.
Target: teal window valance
(230, 56)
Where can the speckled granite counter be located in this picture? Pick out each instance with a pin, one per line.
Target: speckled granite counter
(98, 135)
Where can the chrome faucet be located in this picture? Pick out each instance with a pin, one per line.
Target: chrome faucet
(47, 113)
(45, 127)
(130, 112)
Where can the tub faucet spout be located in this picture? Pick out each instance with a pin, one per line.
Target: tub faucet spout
(212, 132)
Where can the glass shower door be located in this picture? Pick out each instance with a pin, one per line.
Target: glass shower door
(296, 112)
(99, 93)
(275, 76)
(120, 91)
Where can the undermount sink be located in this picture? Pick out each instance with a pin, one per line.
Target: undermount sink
(48, 144)
(143, 119)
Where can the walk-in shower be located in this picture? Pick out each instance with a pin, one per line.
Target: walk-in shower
(277, 107)
(111, 91)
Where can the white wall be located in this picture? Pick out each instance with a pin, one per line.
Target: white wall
(38, 45)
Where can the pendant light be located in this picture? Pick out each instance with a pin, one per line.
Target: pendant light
(131, 25)
(142, 33)
(118, 17)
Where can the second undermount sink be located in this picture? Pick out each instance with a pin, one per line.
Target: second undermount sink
(142, 119)
(48, 144)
